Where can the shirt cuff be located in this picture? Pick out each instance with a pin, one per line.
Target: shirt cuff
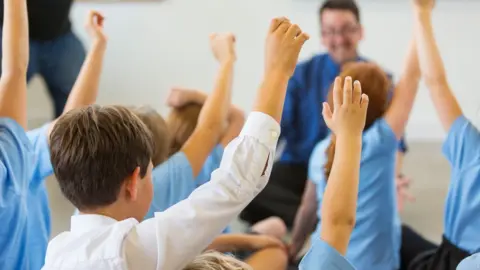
(323, 256)
(262, 127)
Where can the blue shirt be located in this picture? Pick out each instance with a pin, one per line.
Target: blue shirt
(302, 122)
(470, 263)
(24, 233)
(376, 238)
(462, 206)
(322, 256)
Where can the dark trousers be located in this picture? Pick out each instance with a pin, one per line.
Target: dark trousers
(58, 62)
(282, 195)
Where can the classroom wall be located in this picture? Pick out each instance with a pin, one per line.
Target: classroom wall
(153, 46)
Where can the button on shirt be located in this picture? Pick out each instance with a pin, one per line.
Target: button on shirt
(171, 239)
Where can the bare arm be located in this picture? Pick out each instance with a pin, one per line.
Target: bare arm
(404, 94)
(433, 70)
(15, 56)
(305, 220)
(236, 119)
(231, 242)
(215, 110)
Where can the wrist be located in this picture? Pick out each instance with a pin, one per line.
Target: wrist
(99, 43)
(228, 61)
(423, 13)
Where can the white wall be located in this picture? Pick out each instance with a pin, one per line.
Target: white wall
(153, 46)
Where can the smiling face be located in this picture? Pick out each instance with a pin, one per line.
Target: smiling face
(341, 33)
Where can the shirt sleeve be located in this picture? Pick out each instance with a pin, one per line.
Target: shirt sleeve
(174, 237)
(316, 167)
(211, 164)
(470, 263)
(172, 182)
(42, 165)
(457, 147)
(15, 160)
(322, 256)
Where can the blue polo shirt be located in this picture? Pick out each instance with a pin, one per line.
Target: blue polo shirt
(376, 237)
(302, 122)
(26, 225)
(322, 256)
(462, 205)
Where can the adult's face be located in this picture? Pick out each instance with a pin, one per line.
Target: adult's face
(341, 33)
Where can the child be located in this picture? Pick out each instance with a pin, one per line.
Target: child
(102, 160)
(462, 207)
(376, 238)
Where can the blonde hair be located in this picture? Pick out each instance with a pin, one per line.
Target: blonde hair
(181, 124)
(213, 260)
(159, 129)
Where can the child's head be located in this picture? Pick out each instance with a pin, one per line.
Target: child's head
(375, 84)
(216, 261)
(160, 132)
(102, 158)
(181, 124)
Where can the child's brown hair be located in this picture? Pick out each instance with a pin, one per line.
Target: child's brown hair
(181, 123)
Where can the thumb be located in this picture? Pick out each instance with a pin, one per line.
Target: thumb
(327, 114)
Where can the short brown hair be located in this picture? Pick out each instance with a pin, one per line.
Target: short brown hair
(94, 149)
(375, 84)
(347, 5)
(159, 129)
(181, 123)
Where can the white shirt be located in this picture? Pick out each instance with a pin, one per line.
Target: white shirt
(171, 239)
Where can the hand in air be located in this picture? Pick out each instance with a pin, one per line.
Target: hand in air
(349, 108)
(94, 26)
(283, 45)
(423, 5)
(223, 47)
(179, 97)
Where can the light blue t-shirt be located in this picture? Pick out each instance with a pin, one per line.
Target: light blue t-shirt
(470, 263)
(173, 179)
(19, 246)
(322, 256)
(376, 238)
(462, 207)
(38, 208)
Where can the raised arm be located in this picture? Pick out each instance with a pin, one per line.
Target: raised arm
(15, 56)
(86, 86)
(340, 199)
(212, 206)
(432, 67)
(214, 112)
(404, 94)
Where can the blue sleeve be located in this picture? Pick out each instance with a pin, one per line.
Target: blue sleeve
(402, 146)
(211, 164)
(15, 160)
(322, 256)
(289, 111)
(172, 182)
(379, 139)
(42, 166)
(470, 263)
(461, 144)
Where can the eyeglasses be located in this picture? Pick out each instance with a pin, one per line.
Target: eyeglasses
(343, 32)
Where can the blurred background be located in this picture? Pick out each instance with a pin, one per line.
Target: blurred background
(154, 45)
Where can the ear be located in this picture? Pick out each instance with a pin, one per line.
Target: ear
(131, 185)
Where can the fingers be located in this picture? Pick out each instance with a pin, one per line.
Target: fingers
(276, 22)
(364, 101)
(293, 31)
(327, 114)
(283, 27)
(302, 38)
(357, 93)
(337, 93)
(347, 91)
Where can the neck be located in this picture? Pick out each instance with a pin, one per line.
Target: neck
(117, 211)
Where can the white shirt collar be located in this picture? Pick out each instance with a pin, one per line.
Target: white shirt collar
(87, 222)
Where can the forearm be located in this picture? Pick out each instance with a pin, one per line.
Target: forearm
(304, 224)
(15, 41)
(271, 95)
(434, 72)
(231, 242)
(340, 199)
(85, 90)
(217, 105)
(399, 163)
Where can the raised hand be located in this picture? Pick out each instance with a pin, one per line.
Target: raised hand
(223, 47)
(349, 108)
(94, 26)
(423, 5)
(283, 45)
(179, 97)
